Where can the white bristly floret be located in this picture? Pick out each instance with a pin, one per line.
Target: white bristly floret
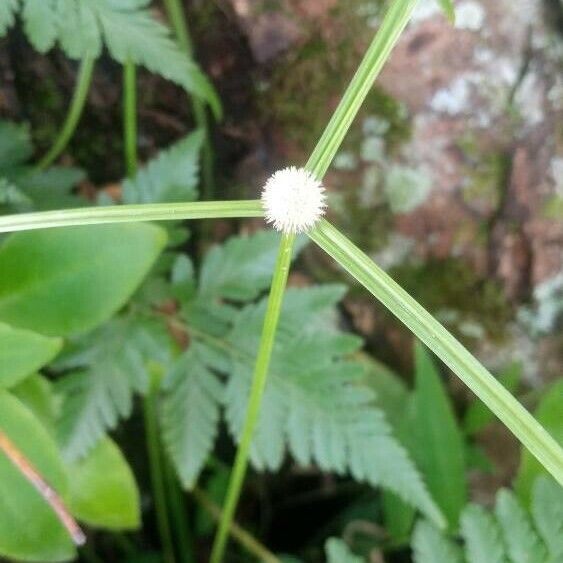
(293, 199)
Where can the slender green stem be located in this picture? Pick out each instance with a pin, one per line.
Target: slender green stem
(247, 540)
(393, 23)
(177, 18)
(180, 526)
(521, 423)
(256, 392)
(157, 475)
(131, 214)
(130, 117)
(75, 111)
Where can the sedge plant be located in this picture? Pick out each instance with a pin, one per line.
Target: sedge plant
(294, 201)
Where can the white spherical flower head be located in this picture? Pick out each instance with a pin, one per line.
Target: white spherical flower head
(293, 199)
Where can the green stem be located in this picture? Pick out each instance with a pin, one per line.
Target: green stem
(395, 20)
(177, 18)
(247, 540)
(131, 214)
(77, 105)
(157, 475)
(130, 117)
(256, 392)
(179, 521)
(521, 423)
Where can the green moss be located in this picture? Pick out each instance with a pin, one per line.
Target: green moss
(452, 285)
(305, 85)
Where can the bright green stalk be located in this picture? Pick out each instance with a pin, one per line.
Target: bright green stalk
(178, 20)
(157, 474)
(393, 23)
(131, 214)
(256, 392)
(130, 117)
(77, 105)
(521, 423)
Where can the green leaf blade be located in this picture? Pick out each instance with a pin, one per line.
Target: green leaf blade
(437, 443)
(60, 282)
(430, 546)
(23, 352)
(103, 492)
(29, 529)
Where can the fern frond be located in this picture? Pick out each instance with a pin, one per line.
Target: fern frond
(8, 9)
(172, 176)
(190, 413)
(109, 367)
(430, 546)
(338, 552)
(522, 542)
(482, 536)
(547, 509)
(315, 403)
(40, 23)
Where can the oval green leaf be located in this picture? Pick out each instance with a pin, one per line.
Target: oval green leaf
(64, 281)
(22, 353)
(103, 491)
(29, 529)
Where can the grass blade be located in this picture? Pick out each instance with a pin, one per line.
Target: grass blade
(131, 214)
(394, 22)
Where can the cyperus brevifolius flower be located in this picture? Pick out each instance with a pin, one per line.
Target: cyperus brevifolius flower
(293, 199)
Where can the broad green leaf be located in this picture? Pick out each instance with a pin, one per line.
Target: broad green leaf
(316, 403)
(436, 441)
(431, 546)
(483, 540)
(547, 509)
(478, 415)
(29, 529)
(522, 541)
(22, 353)
(80, 36)
(36, 393)
(64, 281)
(241, 268)
(40, 23)
(190, 413)
(170, 177)
(7, 14)
(548, 414)
(110, 366)
(338, 552)
(103, 492)
(448, 9)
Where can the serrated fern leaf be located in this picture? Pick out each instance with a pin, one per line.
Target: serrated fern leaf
(8, 10)
(190, 413)
(337, 551)
(482, 536)
(547, 509)
(40, 23)
(522, 542)
(315, 403)
(170, 177)
(241, 268)
(110, 366)
(430, 546)
(134, 35)
(79, 31)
